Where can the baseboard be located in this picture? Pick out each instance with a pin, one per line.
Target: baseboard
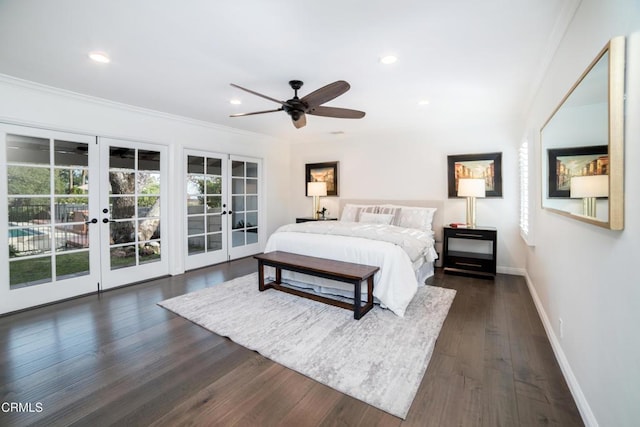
(588, 417)
(511, 270)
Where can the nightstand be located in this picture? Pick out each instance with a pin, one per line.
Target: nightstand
(310, 218)
(470, 250)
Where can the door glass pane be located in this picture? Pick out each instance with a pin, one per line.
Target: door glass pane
(122, 232)
(72, 265)
(28, 150)
(29, 180)
(122, 158)
(214, 242)
(148, 160)
(195, 164)
(237, 168)
(237, 203)
(237, 185)
(122, 207)
(238, 220)
(252, 219)
(196, 245)
(214, 204)
(252, 203)
(214, 223)
(214, 185)
(252, 236)
(252, 170)
(237, 238)
(214, 166)
(123, 256)
(71, 237)
(71, 181)
(28, 272)
(252, 186)
(67, 153)
(150, 252)
(195, 225)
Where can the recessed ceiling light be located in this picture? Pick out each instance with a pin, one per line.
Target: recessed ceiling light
(389, 59)
(101, 57)
(423, 102)
(235, 101)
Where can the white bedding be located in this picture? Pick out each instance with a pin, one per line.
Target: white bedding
(385, 246)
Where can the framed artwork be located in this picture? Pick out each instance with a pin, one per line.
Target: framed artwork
(487, 166)
(323, 172)
(565, 163)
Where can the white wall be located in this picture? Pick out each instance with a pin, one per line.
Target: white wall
(414, 166)
(39, 106)
(581, 273)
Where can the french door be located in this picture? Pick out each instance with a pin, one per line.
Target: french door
(222, 207)
(133, 199)
(59, 215)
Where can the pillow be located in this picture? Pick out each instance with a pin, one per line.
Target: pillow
(393, 210)
(351, 212)
(414, 217)
(375, 218)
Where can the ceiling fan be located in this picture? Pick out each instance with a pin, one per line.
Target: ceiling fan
(298, 108)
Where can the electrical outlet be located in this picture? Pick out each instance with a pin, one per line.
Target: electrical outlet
(561, 328)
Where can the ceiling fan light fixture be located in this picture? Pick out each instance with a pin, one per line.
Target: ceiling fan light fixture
(100, 57)
(388, 59)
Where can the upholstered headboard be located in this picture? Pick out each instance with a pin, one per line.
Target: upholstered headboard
(437, 223)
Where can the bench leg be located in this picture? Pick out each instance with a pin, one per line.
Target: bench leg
(357, 301)
(261, 286)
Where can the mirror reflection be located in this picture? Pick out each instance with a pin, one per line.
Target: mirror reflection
(582, 145)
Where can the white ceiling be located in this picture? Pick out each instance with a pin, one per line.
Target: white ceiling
(477, 61)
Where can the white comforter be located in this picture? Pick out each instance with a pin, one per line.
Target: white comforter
(389, 247)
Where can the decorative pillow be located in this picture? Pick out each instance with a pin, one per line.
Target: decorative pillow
(351, 212)
(414, 217)
(392, 210)
(375, 218)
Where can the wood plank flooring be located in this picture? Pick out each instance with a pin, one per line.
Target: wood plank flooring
(119, 359)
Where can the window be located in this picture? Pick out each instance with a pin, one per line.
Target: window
(525, 196)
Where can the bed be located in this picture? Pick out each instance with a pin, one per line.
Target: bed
(403, 238)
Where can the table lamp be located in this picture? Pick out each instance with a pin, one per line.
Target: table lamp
(588, 188)
(316, 189)
(471, 188)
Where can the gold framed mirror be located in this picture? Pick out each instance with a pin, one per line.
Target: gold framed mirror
(582, 145)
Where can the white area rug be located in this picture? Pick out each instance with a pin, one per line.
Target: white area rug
(379, 359)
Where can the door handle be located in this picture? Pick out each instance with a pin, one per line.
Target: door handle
(93, 221)
(105, 220)
(223, 213)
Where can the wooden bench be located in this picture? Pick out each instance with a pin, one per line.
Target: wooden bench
(329, 269)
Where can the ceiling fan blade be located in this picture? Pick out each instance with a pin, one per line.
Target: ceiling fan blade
(301, 122)
(255, 112)
(340, 113)
(259, 94)
(325, 93)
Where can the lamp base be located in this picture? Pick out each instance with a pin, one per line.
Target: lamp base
(589, 206)
(471, 212)
(316, 207)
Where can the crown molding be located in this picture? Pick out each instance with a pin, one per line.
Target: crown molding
(39, 87)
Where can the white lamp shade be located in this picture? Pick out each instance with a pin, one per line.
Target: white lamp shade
(316, 188)
(589, 186)
(471, 187)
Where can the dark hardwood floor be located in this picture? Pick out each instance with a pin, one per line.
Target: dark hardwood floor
(119, 359)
